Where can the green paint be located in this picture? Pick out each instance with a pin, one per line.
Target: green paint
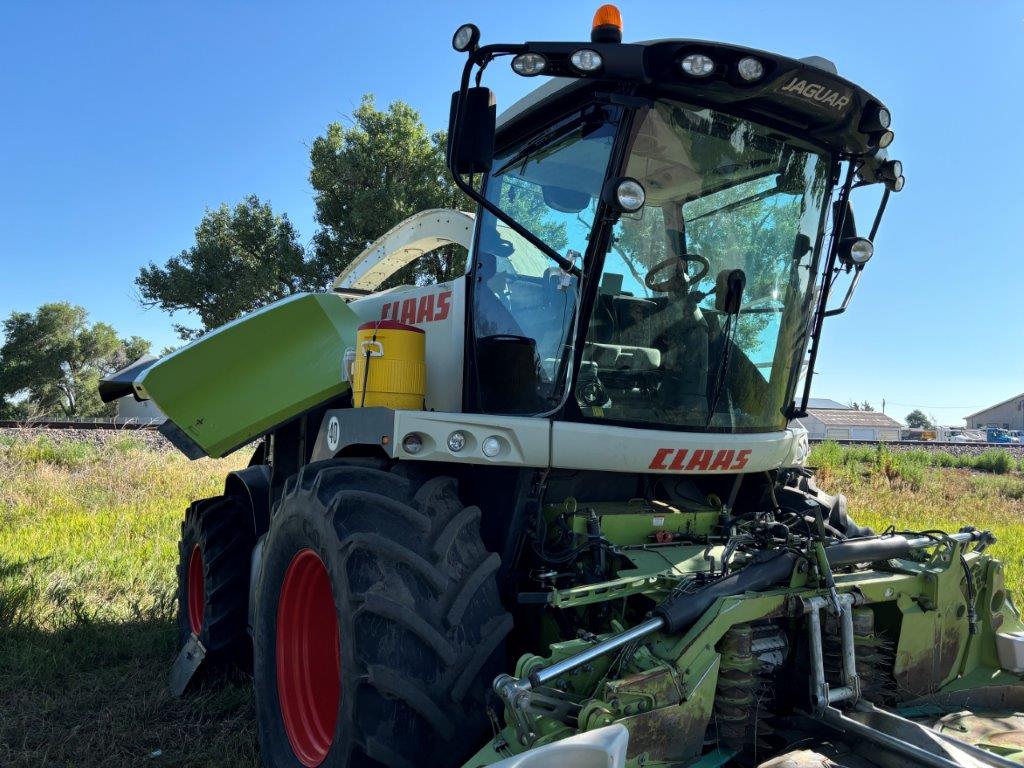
(248, 376)
(669, 682)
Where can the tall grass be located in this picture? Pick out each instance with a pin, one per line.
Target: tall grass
(832, 455)
(922, 490)
(88, 548)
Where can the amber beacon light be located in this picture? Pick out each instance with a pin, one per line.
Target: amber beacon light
(607, 25)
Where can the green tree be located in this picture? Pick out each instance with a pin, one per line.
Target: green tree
(243, 258)
(52, 360)
(917, 419)
(371, 175)
(13, 411)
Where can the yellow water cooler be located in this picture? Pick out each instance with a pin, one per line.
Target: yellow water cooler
(389, 368)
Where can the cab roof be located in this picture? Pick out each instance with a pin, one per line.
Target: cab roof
(803, 97)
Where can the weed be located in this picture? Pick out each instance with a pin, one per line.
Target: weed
(995, 460)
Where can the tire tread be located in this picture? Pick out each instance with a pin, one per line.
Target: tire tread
(419, 580)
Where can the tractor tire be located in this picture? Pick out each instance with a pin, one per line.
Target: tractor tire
(378, 622)
(213, 579)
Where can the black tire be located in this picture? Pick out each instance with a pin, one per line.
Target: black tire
(219, 533)
(421, 628)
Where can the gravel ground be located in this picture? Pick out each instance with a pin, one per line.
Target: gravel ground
(97, 437)
(956, 449)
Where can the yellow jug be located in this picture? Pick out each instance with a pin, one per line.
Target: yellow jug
(389, 369)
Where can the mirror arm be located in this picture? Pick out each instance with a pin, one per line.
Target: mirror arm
(856, 276)
(878, 215)
(481, 57)
(826, 284)
(849, 295)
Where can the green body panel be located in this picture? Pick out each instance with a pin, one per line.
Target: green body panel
(664, 690)
(244, 378)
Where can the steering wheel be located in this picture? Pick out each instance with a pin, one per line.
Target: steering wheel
(679, 281)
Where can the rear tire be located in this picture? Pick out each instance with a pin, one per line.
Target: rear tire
(213, 579)
(378, 623)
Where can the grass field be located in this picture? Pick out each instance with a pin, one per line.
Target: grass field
(87, 554)
(88, 547)
(918, 491)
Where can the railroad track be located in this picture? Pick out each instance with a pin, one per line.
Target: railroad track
(1016, 450)
(925, 444)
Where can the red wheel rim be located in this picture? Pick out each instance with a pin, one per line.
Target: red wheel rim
(308, 661)
(196, 590)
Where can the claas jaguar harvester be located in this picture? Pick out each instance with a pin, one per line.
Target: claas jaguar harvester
(551, 513)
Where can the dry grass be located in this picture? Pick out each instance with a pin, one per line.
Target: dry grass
(87, 554)
(88, 545)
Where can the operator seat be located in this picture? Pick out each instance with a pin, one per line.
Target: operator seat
(492, 315)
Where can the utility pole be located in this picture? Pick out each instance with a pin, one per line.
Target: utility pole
(883, 405)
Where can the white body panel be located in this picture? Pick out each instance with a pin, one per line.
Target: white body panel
(622, 449)
(525, 442)
(440, 310)
(538, 442)
(600, 748)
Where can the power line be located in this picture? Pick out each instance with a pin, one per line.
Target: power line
(934, 407)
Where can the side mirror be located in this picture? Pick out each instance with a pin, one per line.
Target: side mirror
(801, 246)
(471, 132)
(854, 251)
(849, 221)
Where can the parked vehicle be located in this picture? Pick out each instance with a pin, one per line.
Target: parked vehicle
(1000, 435)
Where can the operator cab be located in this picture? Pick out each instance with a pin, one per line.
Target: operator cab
(653, 244)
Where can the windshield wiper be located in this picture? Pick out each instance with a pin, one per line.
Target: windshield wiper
(735, 282)
(737, 204)
(534, 144)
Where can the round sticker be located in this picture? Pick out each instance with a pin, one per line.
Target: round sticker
(333, 433)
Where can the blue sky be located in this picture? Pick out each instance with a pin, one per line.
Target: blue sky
(122, 122)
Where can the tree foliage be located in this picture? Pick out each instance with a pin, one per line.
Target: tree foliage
(371, 175)
(366, 178)
(917, 419)
(243, 258)
(52, 360)
(865, 406)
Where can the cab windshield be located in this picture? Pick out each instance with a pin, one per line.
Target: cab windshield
(705, 294)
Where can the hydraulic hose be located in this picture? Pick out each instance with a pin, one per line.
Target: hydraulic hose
(678, 612)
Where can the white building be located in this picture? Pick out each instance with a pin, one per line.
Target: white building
(844, 423)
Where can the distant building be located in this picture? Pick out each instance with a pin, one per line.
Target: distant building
(844, 423)
(145, 411)
(1008, 414)
(826, 404)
